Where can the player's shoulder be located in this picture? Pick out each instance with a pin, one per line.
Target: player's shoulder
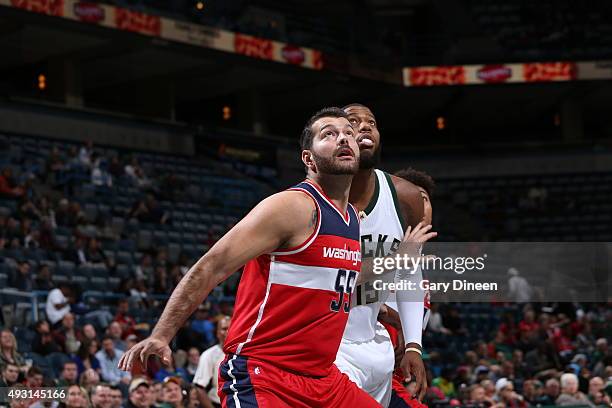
(409, 198)
(403, 187)
(291, 200)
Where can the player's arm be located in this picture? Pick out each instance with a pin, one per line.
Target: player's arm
(410, 305)
(282, 220)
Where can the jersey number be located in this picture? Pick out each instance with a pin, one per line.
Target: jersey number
(345, 282)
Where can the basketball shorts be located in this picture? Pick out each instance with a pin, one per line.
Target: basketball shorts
(369, 364)
(248, 383)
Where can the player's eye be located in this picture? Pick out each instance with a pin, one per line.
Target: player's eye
(372, 123)
(329, 133)
(353, 121)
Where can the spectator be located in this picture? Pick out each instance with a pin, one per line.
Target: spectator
(27, 209)
(55, 163)
(115, 332)
(101, 396)
(519, 289)
(77, 397)
(148, 210)
(123, 317)
(21, 279)
(193, 359)
(62, 215)
(139, 393)
(202, 325)
(10, 375)
(96, 256)
(208, 366)
(478, 397)
(79, 252)
(532, 392)
(109, 358)
(43, 343)
(89, 378)
(445, 383)
(160, 280)
(58, 303)
(489, 387)
(34, 378)
(100, 176)
(569, 392)
(435, 321)
(156, 394)
(69, 374)
(8, 186)
(169, 371)
(43, 279)
(85, 357)
(144, 270)
(506, 395)
(67, 336)
(89, 332)
(596, 394)
(551, 392)
(115, 168)
(172, 392)
(116, 397)
(8, 350)
(85, 154)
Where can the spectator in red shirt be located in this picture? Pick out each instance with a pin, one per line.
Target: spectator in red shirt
(122, 317)
(8, 187)
(528, 324)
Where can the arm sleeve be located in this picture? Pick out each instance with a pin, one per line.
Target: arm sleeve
(410, 306)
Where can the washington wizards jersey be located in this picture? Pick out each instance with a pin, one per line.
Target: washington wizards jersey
(292, 304)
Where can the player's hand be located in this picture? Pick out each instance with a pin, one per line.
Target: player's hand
(141, 352)
(414, 238)
(412, 365)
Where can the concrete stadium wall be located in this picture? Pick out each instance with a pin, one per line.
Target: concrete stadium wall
(59, 123)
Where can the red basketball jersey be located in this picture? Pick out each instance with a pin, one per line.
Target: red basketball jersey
(292, 304)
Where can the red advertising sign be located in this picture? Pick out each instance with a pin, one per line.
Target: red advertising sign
(137, 22)
(549, 71)
(293, 55)
(253, 46)
(437, 76)
(494, 73)
(89, 12)
(317, 59)
(49, 7)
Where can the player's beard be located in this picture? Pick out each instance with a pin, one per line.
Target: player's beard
(369, 160)
(329, 165)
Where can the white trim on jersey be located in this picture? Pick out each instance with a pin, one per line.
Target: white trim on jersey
(314, 235)
(259, 316)
(232, 385)
(344, 218)
(318, 277)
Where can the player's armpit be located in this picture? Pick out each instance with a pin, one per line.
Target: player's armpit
(410, 199)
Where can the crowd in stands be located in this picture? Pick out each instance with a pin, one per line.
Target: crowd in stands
(552, 355)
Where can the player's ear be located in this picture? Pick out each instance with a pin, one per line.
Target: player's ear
(307, 160)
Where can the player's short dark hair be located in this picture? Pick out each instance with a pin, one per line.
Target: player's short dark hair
(308, 135)
(419, 178)
(355, 104)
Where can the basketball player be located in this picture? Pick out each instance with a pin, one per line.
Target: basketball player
(400, 397)
(302, 254)
(389, 207)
